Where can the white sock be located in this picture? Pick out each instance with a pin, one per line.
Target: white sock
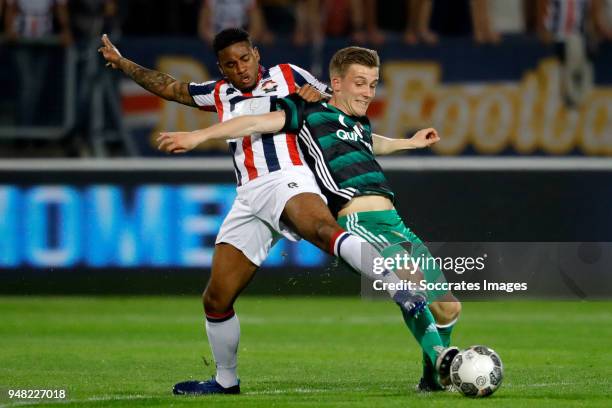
(223, 338)
(360, 254)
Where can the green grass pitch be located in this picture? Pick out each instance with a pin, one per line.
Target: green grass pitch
(303, 352)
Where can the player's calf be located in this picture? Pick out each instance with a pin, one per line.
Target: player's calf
(308, 215)
(445, 310)
(216, 303)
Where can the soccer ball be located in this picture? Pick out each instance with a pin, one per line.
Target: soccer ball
(477, 371)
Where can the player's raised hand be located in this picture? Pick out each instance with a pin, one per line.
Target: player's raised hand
(110, 53)
(177, 142)
(425, 137)
(309, 93)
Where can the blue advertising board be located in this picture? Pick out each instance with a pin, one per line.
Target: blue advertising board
(152, 230)
(114, 225)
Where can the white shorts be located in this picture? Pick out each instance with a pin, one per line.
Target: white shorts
(253, 223)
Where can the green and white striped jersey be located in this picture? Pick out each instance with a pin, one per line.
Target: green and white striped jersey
(337, 148)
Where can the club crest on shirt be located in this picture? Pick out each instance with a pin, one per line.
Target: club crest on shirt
(269, 86)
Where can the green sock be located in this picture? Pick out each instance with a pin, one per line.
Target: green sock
(429, 372)
(445, 333)
(423, 328)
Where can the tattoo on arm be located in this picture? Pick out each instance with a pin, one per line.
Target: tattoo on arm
(182, 95)
(159, 83)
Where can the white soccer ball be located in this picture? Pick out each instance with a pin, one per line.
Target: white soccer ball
(477, 371)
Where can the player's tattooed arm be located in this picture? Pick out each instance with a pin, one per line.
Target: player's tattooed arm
(158, 83)
(181, 142)
(423, 138)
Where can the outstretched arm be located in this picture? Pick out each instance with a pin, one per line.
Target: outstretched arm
(422, 138)
(181, 142)
(159, 83)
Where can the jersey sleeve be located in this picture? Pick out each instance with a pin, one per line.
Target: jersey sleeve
(293, 105)
(303, 77)
(203, 94)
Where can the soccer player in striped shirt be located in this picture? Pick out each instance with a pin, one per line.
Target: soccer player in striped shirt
(277, 193)
(339, 147)
(565, 22)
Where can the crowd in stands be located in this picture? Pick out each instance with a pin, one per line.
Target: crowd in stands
(365, 21)
(306, 21)
(78, 24)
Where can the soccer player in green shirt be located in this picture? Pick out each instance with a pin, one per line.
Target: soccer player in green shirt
(337, 143)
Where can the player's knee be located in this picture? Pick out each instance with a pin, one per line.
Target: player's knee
(450, 311)
(216, 303)
(453, 310)
(446, 312)
(320, 232)
(326, 230)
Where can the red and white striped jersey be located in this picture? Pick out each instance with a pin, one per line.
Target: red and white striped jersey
(257, 154)
(566, 17)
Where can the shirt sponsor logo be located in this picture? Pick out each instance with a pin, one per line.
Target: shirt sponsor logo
(269, 86)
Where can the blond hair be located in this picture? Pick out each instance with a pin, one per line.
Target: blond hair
(348, 56)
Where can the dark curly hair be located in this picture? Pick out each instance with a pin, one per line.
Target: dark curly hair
(228, 37)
